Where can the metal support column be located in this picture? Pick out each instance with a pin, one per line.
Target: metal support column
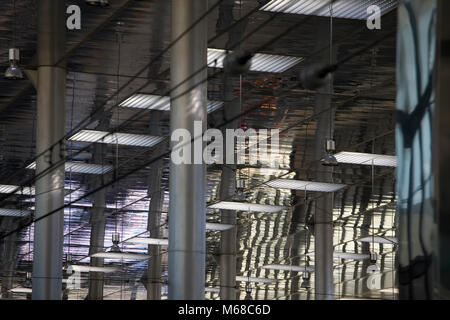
(48, 236)
(228, 239)
(154, 227)
(187, 212)
(231, 108)
(153, 280)
(97, 218)
(8, 248)
(323, 213)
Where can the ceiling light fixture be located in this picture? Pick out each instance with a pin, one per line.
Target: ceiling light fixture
(248, 291)
(378, 239)
(138, 140)
(162, 103)
(218, 226)
(373, 268)
(366, 159)
(240, 188)
(244, 206)
(351, 256)
(349, 9)
(252, 279)
(330, 160)
(98, 3)
(259, 62)
(347, 255)
(116, 253)
(28, 280)
(283, 267)
(86, 268)
(306, 281)
(27, 191)
(389, 290)
(80, 167)
(6, 212)
(120, 255)
(212, 289)
(21, 290)
(13, 72)
(150, 241)
(304, 185)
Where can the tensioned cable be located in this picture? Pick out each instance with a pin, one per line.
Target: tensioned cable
(234, 118)
(15, 32)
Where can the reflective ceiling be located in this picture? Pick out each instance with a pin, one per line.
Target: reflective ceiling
(102, 72)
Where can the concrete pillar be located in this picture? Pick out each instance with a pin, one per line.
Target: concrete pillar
(48, 237)
(187, 212)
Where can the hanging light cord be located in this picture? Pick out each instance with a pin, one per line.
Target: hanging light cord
(331, 63)
(14, 27)
(119, 40)
(373, 152)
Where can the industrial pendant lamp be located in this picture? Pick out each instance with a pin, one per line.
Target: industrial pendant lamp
(115, 240)
(98, 3)
(329, 159)
(68, 260)
(306, 283)
(248, 292)
(240, 187)
(28, 280)
(13, 72)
